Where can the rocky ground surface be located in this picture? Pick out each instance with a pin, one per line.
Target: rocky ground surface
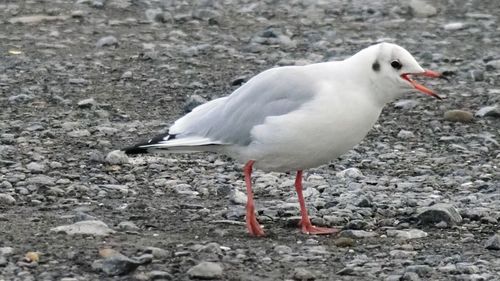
(418, 199)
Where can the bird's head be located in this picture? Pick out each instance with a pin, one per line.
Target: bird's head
(392, 69)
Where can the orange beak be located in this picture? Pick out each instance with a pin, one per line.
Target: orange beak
(422, 88)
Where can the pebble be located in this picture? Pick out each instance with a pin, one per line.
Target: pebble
(128, 226)
(206, 270)
(35, 167)
(489, 111)
(344, 242)
(493, 243)
(405, 135)
(116, 265)
(477, 75)
(238, 197)
(437, 213)
(7, 199)
(458, 116)
(91, 227)
(493, 65)
(406, 234)
(107, 41)
(406, 104)
(357, 234)
(87, 103)
(452, 26)
(350, 173)
(79, 133)
(192, 102)
(116, 157)
(420, 8)
(302, 274)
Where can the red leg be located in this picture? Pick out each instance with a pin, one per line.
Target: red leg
(252, 224)
(305, 223)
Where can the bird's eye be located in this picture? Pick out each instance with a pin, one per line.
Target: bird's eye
(396, 64)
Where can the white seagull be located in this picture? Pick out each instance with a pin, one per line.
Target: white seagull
(296, 117)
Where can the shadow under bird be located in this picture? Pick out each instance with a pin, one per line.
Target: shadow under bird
(296, 117)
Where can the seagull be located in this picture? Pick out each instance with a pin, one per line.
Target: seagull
(291, 118)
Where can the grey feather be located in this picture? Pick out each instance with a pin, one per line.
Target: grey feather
(229, 120)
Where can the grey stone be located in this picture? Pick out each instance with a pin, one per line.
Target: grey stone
(452, 26)
(116, 157)
(238, 197)
(206, 270)
(158, 253)
(302, 274)
(116, 265)
(420, 8)
(406, 234)
(421, 269)
(493, 243)
(128, 226)
(79, 133)
(87, 103)
(357, 234)
(489, 111)
(192, 102)
(477, 75)
(92, 227)
(403, 134)
(493, 65)
(41, 180)
(437, 213)
(35, 167)
(350, 173)
(458, 116)
(7, 199)
(107, 41)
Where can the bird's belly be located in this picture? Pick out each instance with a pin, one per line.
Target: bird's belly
(301, 145)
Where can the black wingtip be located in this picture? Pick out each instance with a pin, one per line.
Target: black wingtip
(136, 149)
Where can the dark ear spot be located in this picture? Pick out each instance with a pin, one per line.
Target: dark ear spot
(376, 66)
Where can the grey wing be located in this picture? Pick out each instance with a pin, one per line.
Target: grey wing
(229, 120)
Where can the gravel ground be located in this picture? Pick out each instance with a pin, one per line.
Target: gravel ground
(418, 199)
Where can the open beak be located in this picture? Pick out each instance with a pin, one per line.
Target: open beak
(421, 88)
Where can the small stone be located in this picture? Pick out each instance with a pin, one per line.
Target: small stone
(206, 270)
(116, 157)
(107, 41)
(452, 26)
(159, 275)
(458, 116)
(127, 75)
(87, 103)
(357, 234)
(35, 167)
(493, 243)
(351, 173)
(437, 213)
(420, 8)
(406, 104)
(192, 102)
(405, 135)
(7, 199)
(128, 226)
(410, 276)
(157, 253)
(489, 111)
(79, 133)
(302, 274)
(420, 269)
(92, 227)
(282, 249)
(238, 197)
(117, 264)
(493, 65)
(476, 75)
(406, 234)
(344, 242)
